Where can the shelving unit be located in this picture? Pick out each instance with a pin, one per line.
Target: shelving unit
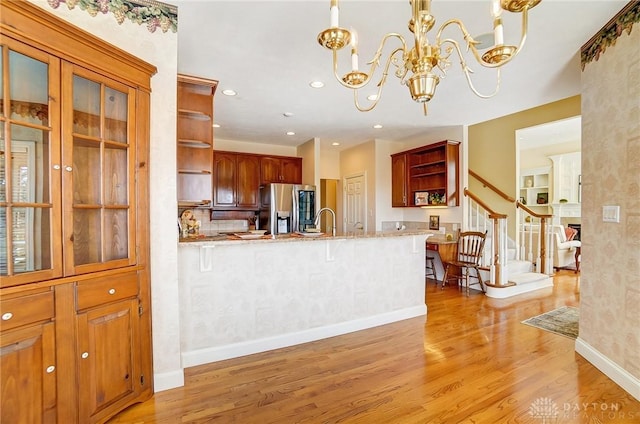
(195, 141)
(534, 183)
(426, 176)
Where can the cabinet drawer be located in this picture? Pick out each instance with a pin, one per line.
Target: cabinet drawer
(103, 290)
(26, 309)
(432, 246)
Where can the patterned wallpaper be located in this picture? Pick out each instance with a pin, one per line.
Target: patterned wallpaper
(610, 277)
(151, 13)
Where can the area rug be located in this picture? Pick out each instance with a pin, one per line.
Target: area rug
(563, 321)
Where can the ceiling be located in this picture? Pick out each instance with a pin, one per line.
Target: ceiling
(267, 51)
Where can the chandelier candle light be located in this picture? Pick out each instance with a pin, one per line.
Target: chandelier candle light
(422, 66)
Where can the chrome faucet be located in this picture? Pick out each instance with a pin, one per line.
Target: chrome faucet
(316, 221)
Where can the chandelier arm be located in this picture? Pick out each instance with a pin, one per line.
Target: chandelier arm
(471, 42)
(374, 62)
(467, 72)
(381, 83)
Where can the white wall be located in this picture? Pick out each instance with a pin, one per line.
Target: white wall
(159, 49)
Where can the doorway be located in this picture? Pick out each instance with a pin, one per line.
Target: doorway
(328, 199)
(355, 201)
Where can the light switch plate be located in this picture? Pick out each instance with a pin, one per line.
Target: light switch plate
(611, 214)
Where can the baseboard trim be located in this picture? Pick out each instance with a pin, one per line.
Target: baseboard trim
(168, 380)
(612, 370)
(204, 356)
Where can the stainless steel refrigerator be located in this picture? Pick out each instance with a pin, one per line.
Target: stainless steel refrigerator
(287, 208)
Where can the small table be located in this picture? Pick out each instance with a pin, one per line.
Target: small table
(445, 249)
(578, 251)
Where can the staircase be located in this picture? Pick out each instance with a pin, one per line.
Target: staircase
(503, 266)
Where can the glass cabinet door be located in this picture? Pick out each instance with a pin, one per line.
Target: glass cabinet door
(98, 172)
(30, 228)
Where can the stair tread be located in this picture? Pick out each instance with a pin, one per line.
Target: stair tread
(527, 277)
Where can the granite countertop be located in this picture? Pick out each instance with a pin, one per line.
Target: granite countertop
(231, 238)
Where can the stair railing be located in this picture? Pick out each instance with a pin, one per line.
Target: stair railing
(535, 225)
(483, 215)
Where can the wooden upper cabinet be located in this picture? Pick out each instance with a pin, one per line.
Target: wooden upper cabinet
(280, 169)
(236, 178)
(195, 140)
(399, 180)
(429, 173)
(248, 185)
(225, 178)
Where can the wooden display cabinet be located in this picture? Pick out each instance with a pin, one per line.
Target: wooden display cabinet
(195, 140)
(430, 172)
(74, 213)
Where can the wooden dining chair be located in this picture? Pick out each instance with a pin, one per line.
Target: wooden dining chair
(468, 255)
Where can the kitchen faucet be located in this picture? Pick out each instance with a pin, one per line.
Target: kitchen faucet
(316, 221)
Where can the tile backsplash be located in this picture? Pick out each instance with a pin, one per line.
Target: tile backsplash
(211, 227)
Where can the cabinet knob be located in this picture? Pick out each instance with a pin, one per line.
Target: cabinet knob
(50, 369)
(7, 316)
(112, 291)
(56, 167)
(68, 168)
(85, 355)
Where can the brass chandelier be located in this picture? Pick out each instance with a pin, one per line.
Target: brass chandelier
(422, 66)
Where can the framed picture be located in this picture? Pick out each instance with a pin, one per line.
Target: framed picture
(434, 222)
(542, 198)
(523, 200)
(421, 198)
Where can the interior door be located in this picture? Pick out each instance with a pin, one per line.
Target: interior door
(355, 203)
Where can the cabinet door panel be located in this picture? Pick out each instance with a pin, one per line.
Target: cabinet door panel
(28, 375)
(248, 192)
(108, 358)
(98, 171)
(31, 208)
(399, 180)
(269, 170)
(224, 179)
(291, 170)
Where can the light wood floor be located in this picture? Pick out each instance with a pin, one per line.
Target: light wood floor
(471, 361)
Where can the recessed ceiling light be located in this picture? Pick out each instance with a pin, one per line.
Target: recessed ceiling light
(316, 84)
(287, 114)
(290, 133)
(372, 97)
(335, 143)
(229, 92)
(377, 126)
(216, 125)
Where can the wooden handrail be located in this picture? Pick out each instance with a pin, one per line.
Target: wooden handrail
(493, 188)
(531, 212)
(492, 214)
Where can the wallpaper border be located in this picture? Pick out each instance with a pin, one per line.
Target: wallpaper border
(152, 13)
(607, 36)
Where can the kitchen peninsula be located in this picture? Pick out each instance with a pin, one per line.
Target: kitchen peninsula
(239, 297)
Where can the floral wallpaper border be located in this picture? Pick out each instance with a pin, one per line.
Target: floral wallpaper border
(608, 35)
(153, 14)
